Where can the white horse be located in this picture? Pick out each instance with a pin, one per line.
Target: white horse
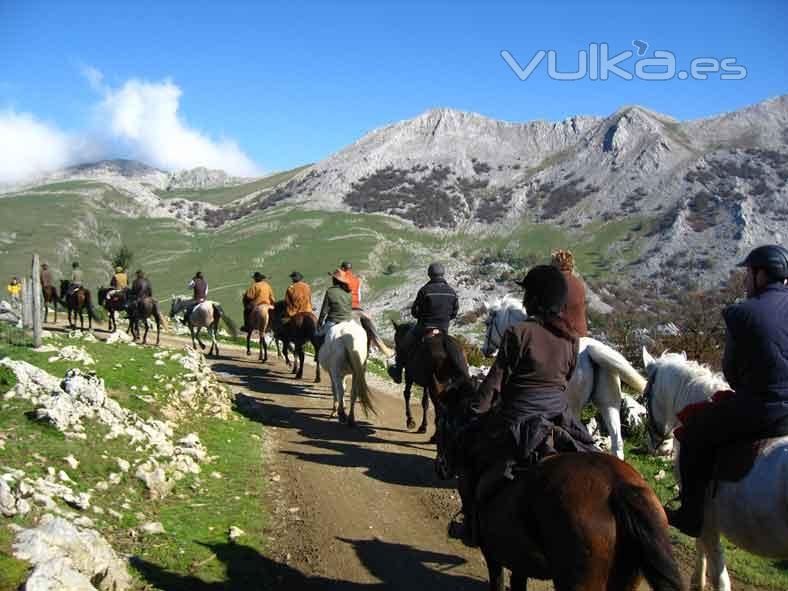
(752, 513)
(596, 378)
(344, 352)
(206, 315)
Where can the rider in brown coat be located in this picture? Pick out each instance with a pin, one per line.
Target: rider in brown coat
(575, 310)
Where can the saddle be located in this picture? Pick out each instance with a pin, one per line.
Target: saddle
(734, 461)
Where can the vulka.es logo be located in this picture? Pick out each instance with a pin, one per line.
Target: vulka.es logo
(596, 63)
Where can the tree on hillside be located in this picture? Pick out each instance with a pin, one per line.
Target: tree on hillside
(123, 257)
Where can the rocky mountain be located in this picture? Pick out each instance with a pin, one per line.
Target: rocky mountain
(706, 190)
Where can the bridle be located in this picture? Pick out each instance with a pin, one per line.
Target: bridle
(492, 325)
(656, 434)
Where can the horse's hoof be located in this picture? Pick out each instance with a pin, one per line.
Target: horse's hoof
(202, 346)
(433, 439)
(351, 422)
(299, 376)
(421, 429)
(342, 417)
(317, 380)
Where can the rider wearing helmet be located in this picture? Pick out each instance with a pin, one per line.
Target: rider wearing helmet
(756, 367)
(528, 380)
(435, 306)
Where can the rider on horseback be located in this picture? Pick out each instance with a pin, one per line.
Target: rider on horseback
(575, 310)
(259, 293)
(528, 378)
(298, 297)
(46, 277)
(119, 283)
(435, 306)
(337, 304)
(354, 281)
(76, 278)
(199, 287)
(756, 367)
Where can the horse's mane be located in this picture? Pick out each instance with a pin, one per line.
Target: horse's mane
(695, 381)
(507, 301)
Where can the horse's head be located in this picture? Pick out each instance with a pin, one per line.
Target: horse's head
(176, 303)
(673, 382)
(501, 314)
(64, 283)
(400, 330)
(453, 416)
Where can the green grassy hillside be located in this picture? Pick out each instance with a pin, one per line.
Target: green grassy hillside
(82, 221)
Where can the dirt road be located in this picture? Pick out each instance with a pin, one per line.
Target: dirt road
(353, 508)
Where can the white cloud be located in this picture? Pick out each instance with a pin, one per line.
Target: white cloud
(29, 147)
(143, 117)
(138, 120)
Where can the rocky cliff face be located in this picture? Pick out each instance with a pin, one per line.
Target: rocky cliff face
(707, 189)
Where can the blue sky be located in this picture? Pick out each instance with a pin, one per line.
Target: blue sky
(288, 83)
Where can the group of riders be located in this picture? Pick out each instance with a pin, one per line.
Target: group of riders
(520, 411)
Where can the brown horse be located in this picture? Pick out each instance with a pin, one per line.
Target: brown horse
(49, 293)
(588, 521)
(298, 330)
(113, 305)
(77, 302)
(142, 309)
(428, 366)
(258, 320)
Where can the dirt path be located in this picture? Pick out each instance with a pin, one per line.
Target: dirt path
(353, 508)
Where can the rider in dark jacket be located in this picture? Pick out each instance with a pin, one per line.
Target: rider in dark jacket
(435, 306)
(529, 379)
(755, 364)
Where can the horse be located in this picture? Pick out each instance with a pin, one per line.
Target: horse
(77, 302)
(50, 296)
(585, 520)
(428, 366)
(597, 376)
(753, 512)
(142, 309)
(259, 320)
(112, 305)
(299, 330)
(344, 352)
(206, 315)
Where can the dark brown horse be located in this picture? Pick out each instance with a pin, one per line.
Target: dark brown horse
(140, 310)
(77, 302)
(298, 330)
(113, 305)
(428, 366)
(49, 293)
(588, 521)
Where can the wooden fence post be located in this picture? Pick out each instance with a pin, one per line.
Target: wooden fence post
(36, 301)
(27, 307)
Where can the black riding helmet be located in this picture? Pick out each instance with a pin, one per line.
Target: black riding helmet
(772, 258)
(436, 270)
(545, 290)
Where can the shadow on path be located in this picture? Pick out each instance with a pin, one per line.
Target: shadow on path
(247, 570)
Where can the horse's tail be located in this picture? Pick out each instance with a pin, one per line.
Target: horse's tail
(642, 534)
(374, 337)
(360, 389)
(89, 305)
(608, 357)
(228, 322)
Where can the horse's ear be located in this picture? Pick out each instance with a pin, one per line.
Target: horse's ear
(648, 360)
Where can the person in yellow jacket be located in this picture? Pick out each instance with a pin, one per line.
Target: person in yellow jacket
(259, 293)
(298, 297)
(14, 289)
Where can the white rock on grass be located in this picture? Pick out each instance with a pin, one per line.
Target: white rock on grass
(72, 353)
(152, 528)
(118, 337)
(67, 557)
(235, 533)
(71, 461)
(124, 465)
(155, 478)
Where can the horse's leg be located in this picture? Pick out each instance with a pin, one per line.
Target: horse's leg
(495, 573)
(249, 341)
(338, 387)
(300, 373)
(425, 406)
(431, 394)
(607, 397)
(145, 336)
(409, 422)
(698, 579)
(715, 554)
(518, 582)
(158, 324)
(195, 336)
(215, 335)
